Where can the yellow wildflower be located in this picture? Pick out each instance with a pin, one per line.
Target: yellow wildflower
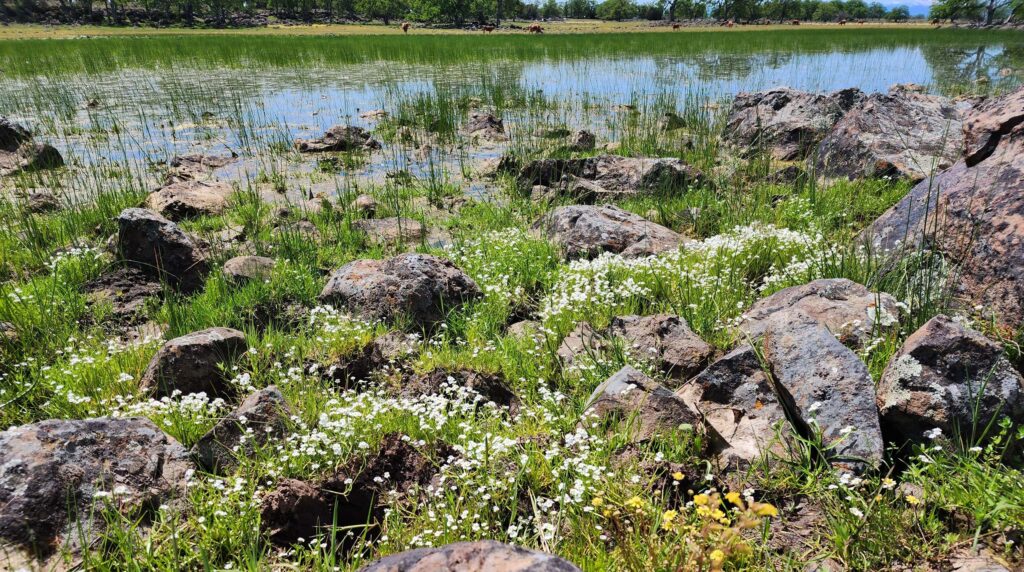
(678, 476)
(635, 502)
(597, 501)
(733, 497)
(667, 519)
(700, 500)
(717, 556)
(912, 500)
(766, 509)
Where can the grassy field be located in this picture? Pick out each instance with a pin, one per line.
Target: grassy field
(540, 477)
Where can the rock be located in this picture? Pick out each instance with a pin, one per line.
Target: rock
(735, 397)
(904, 133)
(354, 498)
(478, 556)
(491, 387)
(18, 151)
(197, 166)
(374, 115)
(385, 354)
(584, 231)
(55, 474)
(671, 121)
(982, 560)
(825, 385)
(610, 176)
(391, 230)
(979, 201)
(419, 287)
(42, 201)
(582, 341)
(846, 308)
(649, 409)
(524, 328)
(666, 341)
(190, 364)
(261, 417)
(243, 269)
(126, 289)
(189, 199)
(339, 138)
(485, 126)
(364, 204)
(948, 377)
(582, 140)
(159, 248)
(786, 123)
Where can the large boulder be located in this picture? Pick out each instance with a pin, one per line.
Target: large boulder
(903, 133)
(56, 475)
(785, 122)
(339, 138)
(646, 408)
(828, 389)
(477, 556)
(192, 364)
(189, 199)
(735, 397)
(159, 248)
(608, 176)
(846, 308)
(419, 287)
(19, 152)
(585, 231)
(665, 341)
(971, 212)
(260, 418)
(951, 378)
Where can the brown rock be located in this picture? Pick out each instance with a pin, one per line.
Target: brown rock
(667, 341)
(485, 126)
(391, 229)
(582, 341)
(365, 204)
(159, 248)
(339, 138)
(846, 308)
(584, 231)
(261, 417)
(904, 133)
(126, 289)
(189, 199)
(243, 269)
(609, 176)
(647, 408)
(491, 387)
(42, 201)
(190, 363)
(478, 556)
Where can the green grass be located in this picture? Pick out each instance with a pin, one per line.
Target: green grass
(543, 477)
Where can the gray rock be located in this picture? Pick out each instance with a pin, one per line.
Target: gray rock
(242, 269)
(904, 133)
(365, 204)
(189, 199)
(584, 231)
(846, 308)
(485, 126)
(948, 377)
(647, 408)
(197, 166)
(582, 341)
(159, 248)
(735, 397)
(418, 287)
(825, 385)
(391, 230)
(54, 474)
(786, 123)
(260, 418)
(42, 201)
(582, 140)
(477, 556)
(18, 151)
(339, 138)
(191, 363)
(664, 340)
(609, 176)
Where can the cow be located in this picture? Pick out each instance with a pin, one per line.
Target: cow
(405, 27)
(730, 24)
(487, 29)
(795, 22)
(842, 22)
(675, 26)
(535, 29)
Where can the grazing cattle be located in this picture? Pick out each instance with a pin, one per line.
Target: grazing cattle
(535, 29)
(861, 22)
(795, 22)
(675, 26)
(488, 29)
(405, 27)
(936, 21)
(842, 22)
(730, 24)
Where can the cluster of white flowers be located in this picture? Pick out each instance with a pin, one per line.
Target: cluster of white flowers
(499, 261)
(72, 254)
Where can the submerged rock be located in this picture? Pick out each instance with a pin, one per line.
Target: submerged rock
(951, 378)
(477, 556)
(57, 475)
(584, 231)
(339, 138)
(786, 123)
(903, 133)
(191, 364)
(485, 126)
(197, 166)
(418, 287)
(971, 212)
(159, 248)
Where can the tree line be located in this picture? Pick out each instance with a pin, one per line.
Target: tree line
(480, 12)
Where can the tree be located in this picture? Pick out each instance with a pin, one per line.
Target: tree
(616, 10)
(956, 9)
(580, 9)
(551, 9)
(876, 11)
(899, 14)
